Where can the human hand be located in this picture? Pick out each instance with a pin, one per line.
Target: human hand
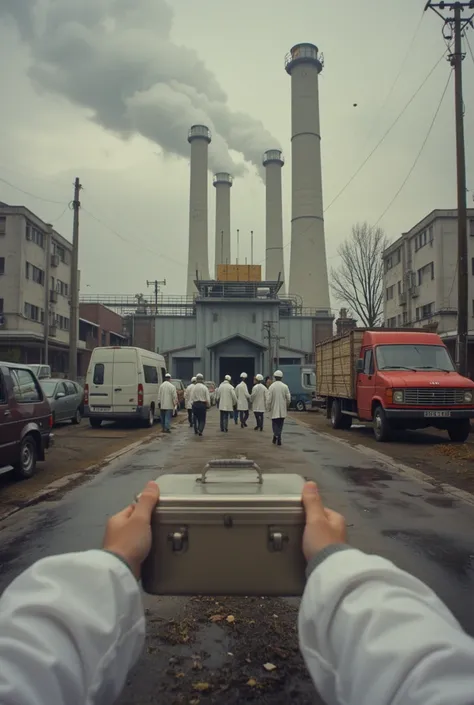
(128, 533)
(323, 526)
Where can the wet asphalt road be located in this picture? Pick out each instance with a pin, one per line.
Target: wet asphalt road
(421, 529)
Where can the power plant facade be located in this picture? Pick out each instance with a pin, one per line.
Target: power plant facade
(274, 262)
(223, 185)
(199, 137)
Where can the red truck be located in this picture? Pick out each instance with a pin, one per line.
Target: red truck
(397, 379)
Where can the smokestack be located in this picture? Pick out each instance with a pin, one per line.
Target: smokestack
(308, 266)
(222, 184)
(199, 137)
(274, 265)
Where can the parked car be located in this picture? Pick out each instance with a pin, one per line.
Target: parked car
(41, 371)
(212, 391)
(65, 398)
(25, 420)
(122, 383)
(301, 379)
(180, 388)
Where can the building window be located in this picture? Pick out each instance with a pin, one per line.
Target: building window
(398, 256)
(427, 270)
(472, 265)
(2, 265)
(430, 235)
(392, 322)
(471, 228)
(3, 225)
(405, 318)
(60, 251)
(427, 310)
(400, 286)
(417, 313)
(32, 312)
(254, 317)
(34, 273)
(389, 292)
(399, 319)
(62, 288)
(34, 235)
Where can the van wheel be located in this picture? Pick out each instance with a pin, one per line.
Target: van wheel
(459, 431)
(95, 423)
(382, 428)
(76, 419)
(26, 465)
(151, 417)
(300, 406)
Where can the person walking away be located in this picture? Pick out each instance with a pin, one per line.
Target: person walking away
(187, 401)
(268, 381)
(278, 401)
(168, 399)
(243, 398)
(258, 399)
(226, 400)
(201, 401)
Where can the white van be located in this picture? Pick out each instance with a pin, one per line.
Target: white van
(123, 383)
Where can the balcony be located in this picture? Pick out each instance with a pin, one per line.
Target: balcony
(414, 292)
(54, 260)
(53, 296)
(402, 299)
(53, 331)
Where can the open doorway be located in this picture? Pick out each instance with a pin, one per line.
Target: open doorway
(234, 366)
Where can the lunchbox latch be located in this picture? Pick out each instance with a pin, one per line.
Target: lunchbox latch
(276, 539)
(179, 539)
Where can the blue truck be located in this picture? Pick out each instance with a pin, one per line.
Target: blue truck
(301, 379)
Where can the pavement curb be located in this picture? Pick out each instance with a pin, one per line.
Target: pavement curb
(417, 475)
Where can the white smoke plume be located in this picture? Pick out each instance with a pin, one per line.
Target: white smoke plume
(116, 58)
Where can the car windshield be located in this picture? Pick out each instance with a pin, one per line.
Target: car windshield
(48, 388)
(176, 382)
(413, 357)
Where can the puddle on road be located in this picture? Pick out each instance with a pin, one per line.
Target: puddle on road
(443, 550)
(445, 502)
(365, 477)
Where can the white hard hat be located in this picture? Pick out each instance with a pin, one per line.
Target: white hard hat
(228, 378)
(278, 373)
(243, 375)
(199, 376)
(193, 379)
(167, 375)
(259, 378)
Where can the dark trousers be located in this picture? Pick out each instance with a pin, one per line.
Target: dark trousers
(190, 417)
(244, 415)
(259, 419)
(236, 416)
(224, 419)
(277, 426)
(199, 413)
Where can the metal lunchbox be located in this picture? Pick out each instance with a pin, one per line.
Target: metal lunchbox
(228, 531)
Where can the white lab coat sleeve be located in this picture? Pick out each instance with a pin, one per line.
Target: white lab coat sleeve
(234, 397)
(269, 399)
(71, 627)
(371, 633)
(288, 396)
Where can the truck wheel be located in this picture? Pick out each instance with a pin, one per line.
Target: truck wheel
(459, 431)
(300, 406)
(95, 423)
(382, 429)
(337, 418)
(25, 467)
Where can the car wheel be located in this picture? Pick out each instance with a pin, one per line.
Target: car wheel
(95, 423)
(76, 419)
(26, 465)
(300, 406)
(459, 431)
(382, 428)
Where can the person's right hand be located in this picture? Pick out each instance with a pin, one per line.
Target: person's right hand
(323, 526)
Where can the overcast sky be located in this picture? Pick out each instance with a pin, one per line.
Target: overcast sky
(95, 90)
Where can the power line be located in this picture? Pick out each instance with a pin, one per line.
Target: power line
(32, 195)
(385, 135)
(469, 46)
(413, 166)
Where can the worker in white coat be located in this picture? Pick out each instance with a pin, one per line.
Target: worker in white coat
(201, 401)
(72, 626)
(226, 400)
(188, 403)
(258, 399)
(168, 400)
(243, 399)
(278, 401)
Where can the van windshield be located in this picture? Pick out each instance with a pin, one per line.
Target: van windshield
(413, 357)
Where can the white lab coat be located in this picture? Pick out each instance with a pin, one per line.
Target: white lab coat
(226, 396)
(243, 396)
(167, 396)
(278, 399)
(259, 398)
(200, 393)
(187, 396)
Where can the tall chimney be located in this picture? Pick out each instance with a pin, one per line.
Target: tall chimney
(308, 266)
(199, 137)
(274, 264)
(222, 184)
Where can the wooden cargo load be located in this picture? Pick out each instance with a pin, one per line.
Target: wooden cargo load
(336, 365)
(239, 272)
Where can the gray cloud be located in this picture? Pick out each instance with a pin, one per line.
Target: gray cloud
(117, 59)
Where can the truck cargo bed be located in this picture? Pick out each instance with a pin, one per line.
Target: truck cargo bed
(336, 365)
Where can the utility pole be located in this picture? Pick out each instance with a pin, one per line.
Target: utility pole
(273, 343)
(47, 287)
(74, 316)
(457, 23)
(156, 285)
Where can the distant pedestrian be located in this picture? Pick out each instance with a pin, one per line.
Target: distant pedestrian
(226, 400)
(188, 403)
(268, 381)
(259, 399)
(243, 398)
(201, 401)
(278, 401)
(168, 399)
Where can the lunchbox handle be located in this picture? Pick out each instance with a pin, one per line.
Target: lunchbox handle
(230, 464)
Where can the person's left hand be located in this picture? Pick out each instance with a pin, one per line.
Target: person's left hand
(128, 533)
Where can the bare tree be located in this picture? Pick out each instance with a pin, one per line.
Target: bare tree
(358, 281)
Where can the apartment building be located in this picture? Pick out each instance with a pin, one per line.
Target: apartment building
(35, 277)
(99, 326)
(420, 274)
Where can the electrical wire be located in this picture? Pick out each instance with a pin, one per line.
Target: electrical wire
(387, 132)
(413, 166)
(32, 195)
(469, 46)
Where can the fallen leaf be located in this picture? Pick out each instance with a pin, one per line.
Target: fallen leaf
(252, 682)
(179, 675)
(216, 618)
(230, 619)
(201, 686)
(269, 666)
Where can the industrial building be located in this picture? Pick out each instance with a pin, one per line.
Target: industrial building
(240, 320)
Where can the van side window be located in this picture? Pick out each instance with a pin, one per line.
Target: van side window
(25, 388)
(3, 390)
(98, 373)
(163, 372)
(369, 362)
(151, 374)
